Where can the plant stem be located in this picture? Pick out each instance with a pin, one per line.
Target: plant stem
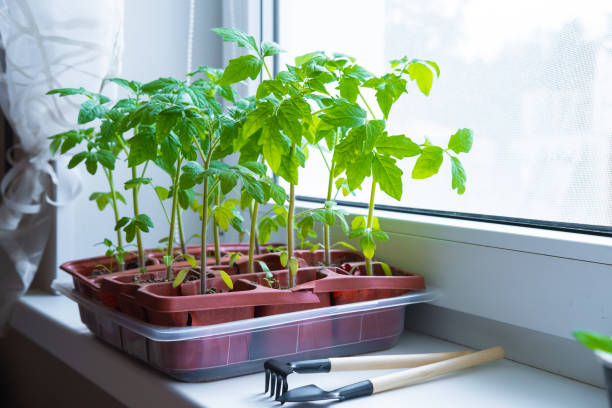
(327, 259)
(330, 184)
(109, 176)
(170, 249)
(366, 104)
(141, 262)
(253, 235)
(216, 228)
(203, 234)
(290, 223)
(179, 216)
(369, 225)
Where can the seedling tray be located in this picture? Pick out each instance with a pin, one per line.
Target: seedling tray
(207, 353)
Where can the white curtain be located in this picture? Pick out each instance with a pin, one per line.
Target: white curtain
(47, 44)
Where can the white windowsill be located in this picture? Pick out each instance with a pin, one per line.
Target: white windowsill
(53, 323)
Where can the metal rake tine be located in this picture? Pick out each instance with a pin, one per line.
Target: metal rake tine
(285, 388)
(267, 380)
(272, 383)
(279, 383)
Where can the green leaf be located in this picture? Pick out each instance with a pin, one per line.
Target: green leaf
(357, 72)
(256, 167)
(129, 85)
(367, 245)
(288, 168)
(293, 265)
(398, 146)
(130, 231)
(90, 163)
(423, 76)
(122, 221)
(271, 86)
(274, 145)
(257, 118)
(461, 141)
(386, 269)
(241, 68)
(162, 192)
(106, 159)
(90, 110)
(227, 279)
(358, 170)
(168, 260)
(346, 245)
(428, 163)
(594, 341)
(288, 115)
(143, 146)
(180, 277)
(223, 216)
(459, 176)
(435, 66)
(263, 265)
(236, 36)
(373, 129)
(192, 174)
(159, 84)
(278, 194)
(165, 123)
(234, 256)
(358, 222)
(283, 258)
(386, 173)
(144, 222)
(265, 226)
(269, 48)
(344, 113)
(133, 183)
(76, 159)
(380, 235)
(190, 259)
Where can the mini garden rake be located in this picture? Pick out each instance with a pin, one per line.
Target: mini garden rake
(277, 371)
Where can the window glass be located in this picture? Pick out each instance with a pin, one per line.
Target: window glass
(532, 79)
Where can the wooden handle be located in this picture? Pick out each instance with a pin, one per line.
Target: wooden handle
(414, 375)
(390, 361)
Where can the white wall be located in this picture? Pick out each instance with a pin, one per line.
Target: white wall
(155, 45)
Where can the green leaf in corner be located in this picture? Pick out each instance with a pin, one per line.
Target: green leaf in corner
(180, 277)
(190, 259)
(594, 341)
(367, 244)
(162, 192)
(237, 36)
(423, 76)
(386, 173)
(263, 266)
(461, 141)
(386, 269)
(269, 48)
(459, 177)
(293, 265)
(428, 163)
(241, 68)
(398, 146)
(358, 222)
(283, 258)
(226, 278)
(234, 256)
(345, 244)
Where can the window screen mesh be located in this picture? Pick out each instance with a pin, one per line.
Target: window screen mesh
(532, 79)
